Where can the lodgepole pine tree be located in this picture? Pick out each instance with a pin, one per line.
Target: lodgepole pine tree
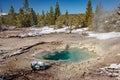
(27, 14)
(12, 17)
(66, 18)
(89, 14)
(43, 23)
(57, 11)
(33, 17)
(20, 18)
(47, 18)
(26, 6)
(52, 18)
(43, 14)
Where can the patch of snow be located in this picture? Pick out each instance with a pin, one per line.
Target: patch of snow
(85, 29)
(103, 36)
(47, 30)
(3, 14)
(36, 29)
(106, 21)
(61, 30)
(33, 31)
(22, 35)
(115, 66)
(112, 70)
(79, 31)
(37, 64)
(43, 30)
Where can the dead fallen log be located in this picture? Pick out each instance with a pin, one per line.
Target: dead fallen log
(27, 48)
(17, 74)
(18, 52)
(23, 50)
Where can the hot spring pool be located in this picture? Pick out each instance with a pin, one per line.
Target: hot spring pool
(73, 55)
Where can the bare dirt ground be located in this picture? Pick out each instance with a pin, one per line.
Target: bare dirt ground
(18, 67)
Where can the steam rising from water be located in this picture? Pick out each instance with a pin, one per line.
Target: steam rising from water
(106, 20)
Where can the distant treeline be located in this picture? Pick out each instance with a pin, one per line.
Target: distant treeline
(27, 17)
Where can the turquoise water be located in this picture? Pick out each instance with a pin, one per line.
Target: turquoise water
(74, 55)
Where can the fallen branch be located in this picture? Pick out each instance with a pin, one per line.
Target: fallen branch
(23, 50)
(17, 74)
(26, 48)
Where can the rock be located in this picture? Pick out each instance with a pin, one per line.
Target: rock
(38, 65)
(113, 70)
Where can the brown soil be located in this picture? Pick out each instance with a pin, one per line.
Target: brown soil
(18, 67)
